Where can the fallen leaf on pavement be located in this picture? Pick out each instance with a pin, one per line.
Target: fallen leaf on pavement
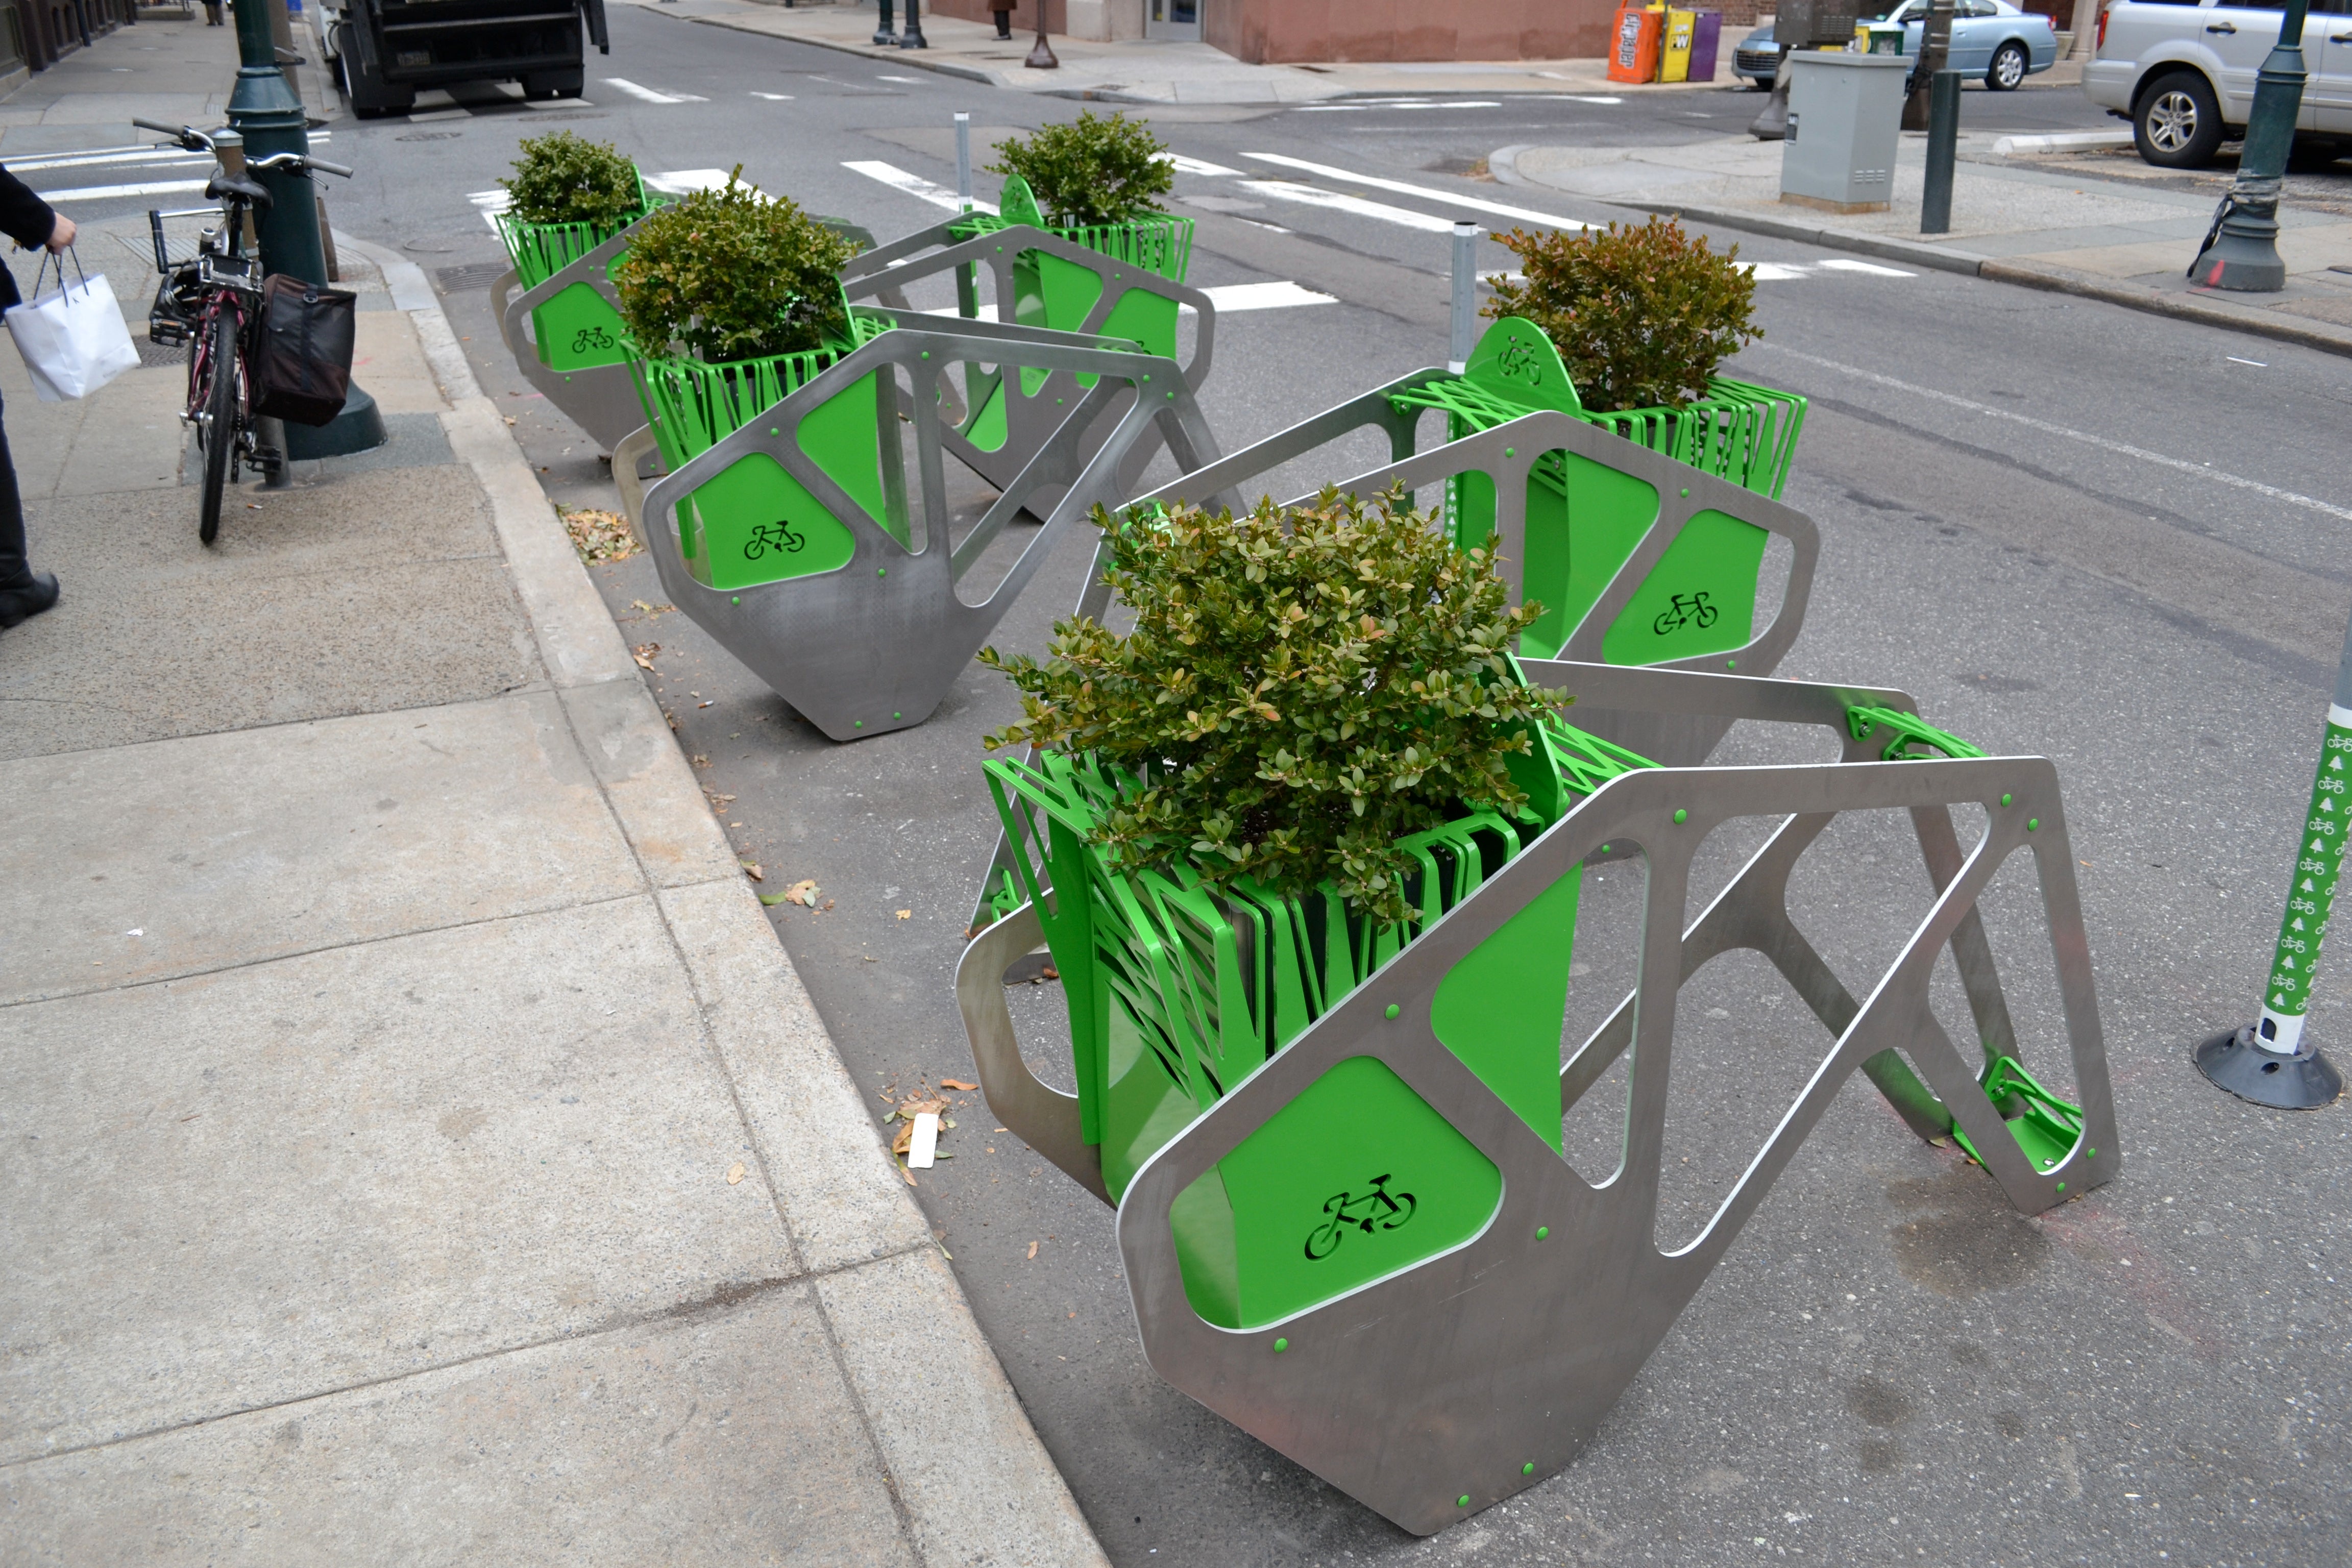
(644, 654)
(905, 1136)
(1033, 1249)
(802, 892)
(957, 1083)
(700, 761)
(906, 914)
(597, 535)
(735, 1174)
(772, 899)
(753, 872)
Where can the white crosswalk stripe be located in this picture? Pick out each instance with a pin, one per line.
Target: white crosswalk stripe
(1357, 206)
(1184, 165)
(1450, 198)
(1789, 271)
(103, 193)
(915, 186)
(1228, 298)
(653, 95)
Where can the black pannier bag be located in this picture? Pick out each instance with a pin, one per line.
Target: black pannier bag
(302, 364)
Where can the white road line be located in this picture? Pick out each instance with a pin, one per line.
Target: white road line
(1184, 165)
(1309, 195)
(1580, 97)
(910, 81)
(141, 157)
(2121, 449)
(1474, 203)
(104, 193)
(1775, 271)
(1838, 265)
(1786, 272)
(685, 182)
(915, 186)
(1227, 297)
(650, 95)
(774, 96)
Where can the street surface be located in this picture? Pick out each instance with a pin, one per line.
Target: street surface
(2068, 529)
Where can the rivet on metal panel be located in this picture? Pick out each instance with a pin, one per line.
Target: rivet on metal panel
(2006, 799)
(1394, 1010)
(1529, 1469)
(1462, 1501)
(2061, 1186)
(2033, 823)
(739, 598)
(881, 571)
(1731, 664)
(1542, 1231)
(1280, 1346)
(860, 723)
(897, 715)
(1686, 492)
(1511, 451)
(1681, 816)
(926, 355)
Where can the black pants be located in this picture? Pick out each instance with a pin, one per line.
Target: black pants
(13, 568)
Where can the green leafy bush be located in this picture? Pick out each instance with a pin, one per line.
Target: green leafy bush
(1302, 687)
(1640, 316)
(1091, 171)
(729, 274)
(565, 178)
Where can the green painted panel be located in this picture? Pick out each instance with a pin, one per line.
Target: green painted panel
(1700, 598)
(985, 429)
(1144, 1105)
(1145, 318)
(578, 329)
(1356, 1178)
(756, 523)
(1502, 1008)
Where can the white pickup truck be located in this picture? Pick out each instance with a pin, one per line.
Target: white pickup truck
(2183, 74)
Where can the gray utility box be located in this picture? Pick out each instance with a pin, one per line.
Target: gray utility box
(1845, 117)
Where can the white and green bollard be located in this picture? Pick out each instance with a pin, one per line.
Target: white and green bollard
(2268, 1062)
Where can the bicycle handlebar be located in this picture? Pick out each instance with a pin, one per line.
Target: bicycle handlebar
(187, 136)
(298, 162)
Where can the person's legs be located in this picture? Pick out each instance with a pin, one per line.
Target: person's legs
(23, 591)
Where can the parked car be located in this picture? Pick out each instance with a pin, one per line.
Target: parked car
(1991, 38)
(2183, 74)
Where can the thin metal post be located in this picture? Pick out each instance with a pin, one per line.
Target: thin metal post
(2267, 1062)
(1943, 145)
(2240, 250)
(885, 34)
(1465, 294)
(966, 282)
(912, 36)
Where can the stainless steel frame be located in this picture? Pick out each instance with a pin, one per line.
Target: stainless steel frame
(1479, 1371)
(602, 401)
(1029, 419)
(874, 646)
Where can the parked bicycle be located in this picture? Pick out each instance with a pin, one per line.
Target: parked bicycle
(211, 302)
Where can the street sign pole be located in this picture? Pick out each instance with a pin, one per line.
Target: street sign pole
(1466, 295)
(2240, 250)
(2268, 1061)
(264, 111)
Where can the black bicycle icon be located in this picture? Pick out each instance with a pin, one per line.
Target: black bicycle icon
(1375, 1209)
(776, 536)
(589, 337)
(1684, 610)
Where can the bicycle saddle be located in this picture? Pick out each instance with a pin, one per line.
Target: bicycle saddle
(224, 185)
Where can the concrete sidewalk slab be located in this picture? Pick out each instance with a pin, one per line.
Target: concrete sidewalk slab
(419, 1144)
(2037, 222)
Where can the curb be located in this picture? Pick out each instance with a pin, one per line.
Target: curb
(971, 1481)
(2253, 320)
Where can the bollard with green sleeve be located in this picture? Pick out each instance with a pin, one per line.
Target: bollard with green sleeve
(2268, 1061)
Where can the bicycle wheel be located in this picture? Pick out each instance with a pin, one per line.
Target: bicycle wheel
(217, 435)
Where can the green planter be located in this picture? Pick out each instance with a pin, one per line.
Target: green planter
(756, 523)
(1701, 597)
(1176, 992)
(1051, 292)
(577, 330)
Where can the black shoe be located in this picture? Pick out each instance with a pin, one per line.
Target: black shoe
(35, 596)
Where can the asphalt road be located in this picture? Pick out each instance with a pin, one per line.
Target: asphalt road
(2068, 529)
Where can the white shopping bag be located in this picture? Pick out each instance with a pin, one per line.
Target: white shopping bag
(73, 339)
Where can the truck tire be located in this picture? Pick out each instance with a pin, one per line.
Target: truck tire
(2177, 125)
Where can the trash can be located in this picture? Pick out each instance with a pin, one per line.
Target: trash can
(1633, 49)
(1845, 114)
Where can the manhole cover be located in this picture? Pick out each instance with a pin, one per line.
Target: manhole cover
(430, 136)
(477, 275)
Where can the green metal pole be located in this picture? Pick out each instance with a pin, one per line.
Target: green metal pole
(264, 110)
(2241, 250)
(2268, 1061)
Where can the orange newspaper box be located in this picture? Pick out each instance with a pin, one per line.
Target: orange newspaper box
(1633, 48)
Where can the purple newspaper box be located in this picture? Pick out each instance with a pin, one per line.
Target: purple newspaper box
(1706, 31)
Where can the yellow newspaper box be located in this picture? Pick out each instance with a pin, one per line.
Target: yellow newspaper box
(1674, 57)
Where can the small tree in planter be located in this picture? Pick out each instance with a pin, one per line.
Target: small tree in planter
(1302, 688)
(1096, 182)
(1312, 743)
(732, 301)
(567, 196)
(1641, 316)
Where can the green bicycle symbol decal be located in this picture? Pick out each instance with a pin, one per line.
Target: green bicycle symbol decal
(776, 536)
(1374, 1210)
(590, 338)
(1684, 610)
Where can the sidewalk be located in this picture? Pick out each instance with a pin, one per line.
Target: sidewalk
(417, 1146)
(1141, 70)
(2038, 211)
